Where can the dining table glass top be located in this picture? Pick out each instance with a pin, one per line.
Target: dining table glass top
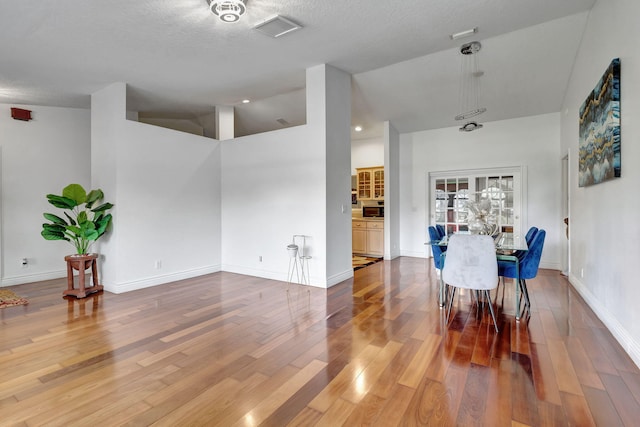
(505, 242)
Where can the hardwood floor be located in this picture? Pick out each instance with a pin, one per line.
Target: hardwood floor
(232, 350)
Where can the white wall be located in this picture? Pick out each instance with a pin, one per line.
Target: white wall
(604, 226)
(183, 125)
(39, 157)
(337, 122)
(275, 185)
(224, 122)
(367, 153)
(165, 186)
(107, 120)
(392, 192)
(272, 188)
(531, 141)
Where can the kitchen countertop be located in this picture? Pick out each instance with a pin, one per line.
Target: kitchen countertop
(360, 218)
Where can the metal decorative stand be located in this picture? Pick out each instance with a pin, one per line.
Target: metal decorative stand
(298, 260)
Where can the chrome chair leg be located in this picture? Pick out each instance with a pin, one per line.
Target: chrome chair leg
(493, 315)
(450, 303)
(525, 292)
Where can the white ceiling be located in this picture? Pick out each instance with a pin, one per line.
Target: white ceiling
(179, 60)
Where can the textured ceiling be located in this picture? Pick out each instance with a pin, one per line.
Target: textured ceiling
(179, 59)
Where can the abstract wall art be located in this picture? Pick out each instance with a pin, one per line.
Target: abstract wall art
(599, 132)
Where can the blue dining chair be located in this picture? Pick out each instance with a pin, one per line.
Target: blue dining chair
(528, 238)
(530, 235)
(441, 231)
(436, 250)
(526, 266)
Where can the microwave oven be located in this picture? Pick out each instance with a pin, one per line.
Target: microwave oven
(373, 211)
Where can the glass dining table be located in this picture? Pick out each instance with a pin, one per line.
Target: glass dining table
(508, 245)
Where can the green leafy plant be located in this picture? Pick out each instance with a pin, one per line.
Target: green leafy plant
(84, 224)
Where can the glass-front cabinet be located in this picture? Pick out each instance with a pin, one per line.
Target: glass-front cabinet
(364, 184)
(450, 192)
(370, 183)
(378, 183)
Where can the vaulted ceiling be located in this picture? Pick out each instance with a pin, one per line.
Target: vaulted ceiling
(179, 60)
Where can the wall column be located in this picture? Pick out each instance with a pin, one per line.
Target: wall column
(225, 121)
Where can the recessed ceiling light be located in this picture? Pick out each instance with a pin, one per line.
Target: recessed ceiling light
(246, 101)
(463, 34)
(358, 128)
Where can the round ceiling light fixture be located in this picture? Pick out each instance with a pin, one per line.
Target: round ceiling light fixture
(469, 95)
(228, 10)
(470, 127)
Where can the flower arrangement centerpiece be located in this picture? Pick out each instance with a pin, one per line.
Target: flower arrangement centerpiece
(481, 219)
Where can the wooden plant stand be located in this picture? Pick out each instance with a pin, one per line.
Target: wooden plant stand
(81, 263)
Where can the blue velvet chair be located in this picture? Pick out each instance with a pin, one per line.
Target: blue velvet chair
(525, 266)
(528, 238)
(441, 231)
(436, 250)
(530, 234)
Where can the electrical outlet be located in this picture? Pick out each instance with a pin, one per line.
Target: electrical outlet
(24, 262)
(158, 264)
(582, 273)
(260, 258)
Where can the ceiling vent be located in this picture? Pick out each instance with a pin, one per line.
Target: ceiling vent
(277, 26)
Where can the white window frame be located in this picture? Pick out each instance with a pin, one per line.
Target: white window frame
(519, 173)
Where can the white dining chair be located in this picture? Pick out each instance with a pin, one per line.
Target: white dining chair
(471, 264)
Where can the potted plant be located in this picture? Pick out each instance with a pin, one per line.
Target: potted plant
(83, 224)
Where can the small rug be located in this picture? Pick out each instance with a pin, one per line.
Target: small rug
(9, 298)
(363, 261)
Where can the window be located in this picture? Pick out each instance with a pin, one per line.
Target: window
(449, 193)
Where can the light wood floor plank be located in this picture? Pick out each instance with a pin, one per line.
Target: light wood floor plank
(418, 366)
(566, 376)
(341, 383)
(337, 414)
(369, 375)
(257, 414)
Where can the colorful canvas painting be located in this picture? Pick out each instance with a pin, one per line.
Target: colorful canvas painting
(599, 145)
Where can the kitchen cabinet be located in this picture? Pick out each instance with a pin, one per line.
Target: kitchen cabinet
(367, 237)
(370, 183)
(359, 237)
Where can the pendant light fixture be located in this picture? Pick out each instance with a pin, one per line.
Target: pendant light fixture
(469, 98)
(228, 10)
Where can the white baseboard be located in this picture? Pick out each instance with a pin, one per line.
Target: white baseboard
(30, 278)
(282, 276)
(159, 280)
(550, 265)
(340, 277)
(413, 254)
(254, 272)
(618, 331)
